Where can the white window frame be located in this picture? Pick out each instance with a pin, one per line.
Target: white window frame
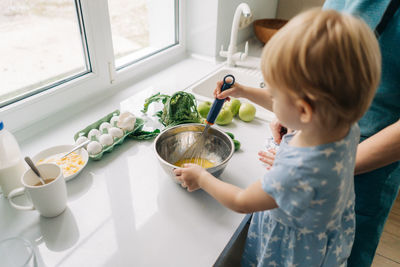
(103, 78)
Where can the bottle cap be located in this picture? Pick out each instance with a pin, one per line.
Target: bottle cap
(1, 125)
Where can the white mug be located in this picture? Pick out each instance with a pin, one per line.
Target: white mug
(50, 199)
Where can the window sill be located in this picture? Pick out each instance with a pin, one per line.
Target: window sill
(59, 127)
(26, 113)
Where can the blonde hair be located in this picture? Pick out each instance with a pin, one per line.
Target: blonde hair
(329, 59)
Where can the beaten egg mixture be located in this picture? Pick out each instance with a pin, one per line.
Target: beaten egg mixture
(199, 161)
(69, 164)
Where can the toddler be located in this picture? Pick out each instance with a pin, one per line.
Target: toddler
(321, 72)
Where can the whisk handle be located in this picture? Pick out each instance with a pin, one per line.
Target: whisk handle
(218, 103)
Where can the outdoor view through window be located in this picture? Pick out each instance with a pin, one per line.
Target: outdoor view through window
(40, 45)
(141, 28)
(43, 42)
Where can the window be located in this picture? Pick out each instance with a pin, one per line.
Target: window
(41, 46)
(58, 44)
(141, 28)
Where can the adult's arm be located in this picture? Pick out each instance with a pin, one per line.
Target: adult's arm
(379, 150)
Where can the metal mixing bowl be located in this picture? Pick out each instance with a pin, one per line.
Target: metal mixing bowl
(173, 142)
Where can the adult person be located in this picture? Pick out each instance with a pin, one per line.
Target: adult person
(377, 171)
(377, 181)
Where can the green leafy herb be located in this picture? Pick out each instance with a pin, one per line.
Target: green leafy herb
(139, 134)
(179, 108)
(154, 98)
(144, 135)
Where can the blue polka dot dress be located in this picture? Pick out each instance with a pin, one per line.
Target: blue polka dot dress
(315, 222)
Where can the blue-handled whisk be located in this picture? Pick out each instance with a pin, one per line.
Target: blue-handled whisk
(194, 152)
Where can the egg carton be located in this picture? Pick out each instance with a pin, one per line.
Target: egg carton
(139, 123)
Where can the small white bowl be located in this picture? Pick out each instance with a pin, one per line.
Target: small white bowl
(62, 149)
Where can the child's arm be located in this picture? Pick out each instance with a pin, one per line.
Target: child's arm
(260, 96)
(248, 200)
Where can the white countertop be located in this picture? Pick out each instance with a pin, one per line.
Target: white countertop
(124, 210)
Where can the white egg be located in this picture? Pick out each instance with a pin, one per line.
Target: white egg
(106, 139)
(116, 132)
(80, 140)
(114, 120)
(94, 132)
(94, 148)
(126, 121)
(104, 125)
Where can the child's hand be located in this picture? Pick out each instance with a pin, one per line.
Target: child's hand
(189, 176)
(278, 130)
(267, 157)
(236, 91)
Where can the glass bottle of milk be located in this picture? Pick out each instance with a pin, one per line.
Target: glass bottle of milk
(12, 165)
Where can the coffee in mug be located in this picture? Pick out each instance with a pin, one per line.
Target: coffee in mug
(49, 199)
(47, 181)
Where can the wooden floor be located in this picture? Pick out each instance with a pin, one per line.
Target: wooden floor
(388, 252)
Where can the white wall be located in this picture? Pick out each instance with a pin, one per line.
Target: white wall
(209, 23)
(290, 8)
(201, 26)
(260, 9)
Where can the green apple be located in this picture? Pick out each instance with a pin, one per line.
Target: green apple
(203, 108)
(225, 117)
(247, 112)
(234, 105)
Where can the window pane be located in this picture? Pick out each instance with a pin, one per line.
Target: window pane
(141, 28)
(41, 45)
